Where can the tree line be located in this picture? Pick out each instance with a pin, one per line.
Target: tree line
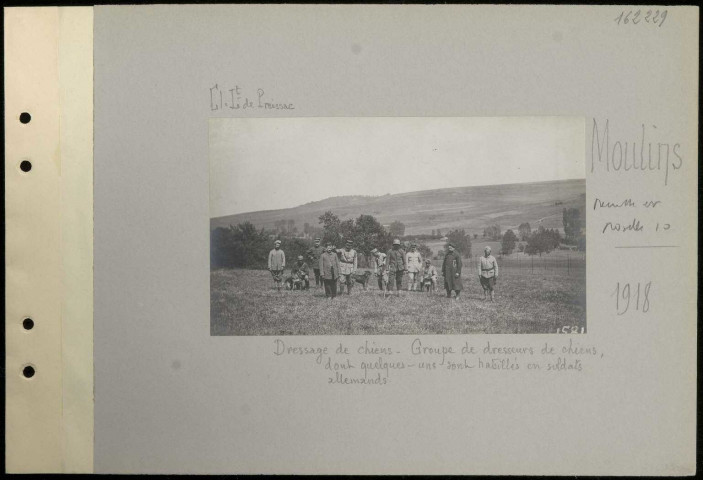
(245, 246)
(543, 240)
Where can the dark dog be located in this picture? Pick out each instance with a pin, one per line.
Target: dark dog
(362, 278)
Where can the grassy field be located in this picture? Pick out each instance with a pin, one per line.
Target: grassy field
(244, 302)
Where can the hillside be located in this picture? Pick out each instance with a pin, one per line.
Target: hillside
(470, 208)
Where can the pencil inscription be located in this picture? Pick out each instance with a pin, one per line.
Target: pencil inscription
(631, 224)
(635, 17)
(623, 155)
(236, 98)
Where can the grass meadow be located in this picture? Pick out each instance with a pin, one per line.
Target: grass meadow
(245, 302)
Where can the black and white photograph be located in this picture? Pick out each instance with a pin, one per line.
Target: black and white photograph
(397, 225)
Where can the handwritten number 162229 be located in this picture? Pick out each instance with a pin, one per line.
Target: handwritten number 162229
(653, 17)
(628, 296)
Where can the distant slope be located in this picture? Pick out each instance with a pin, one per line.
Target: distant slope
(471, 208)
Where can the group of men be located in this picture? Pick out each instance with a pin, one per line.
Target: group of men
(391, 267)
(332, 266)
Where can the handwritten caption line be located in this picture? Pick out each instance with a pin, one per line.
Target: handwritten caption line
(366, 363)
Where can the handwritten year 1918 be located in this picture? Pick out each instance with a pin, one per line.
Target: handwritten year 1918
(635, 17)
(626, 293)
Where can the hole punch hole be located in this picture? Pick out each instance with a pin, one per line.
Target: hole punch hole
(28, 323)
(25, 166)
(25, 117)
(28, 371)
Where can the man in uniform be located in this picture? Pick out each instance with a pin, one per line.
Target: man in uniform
(413, 260)
(451, 269)
(347, 265)
(379, 268)
(314, 255)
(429, 273)
(488, 273)
(277, 263)
(395, 266)
(301, 269)
(329, 271)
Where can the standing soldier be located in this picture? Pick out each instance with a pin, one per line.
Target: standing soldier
(329, 271)
(277, 263)
(379, 268)
(413, 260)
(451, 269)
(395, 266)
(347, 265)
(314, 255)
(488, 272)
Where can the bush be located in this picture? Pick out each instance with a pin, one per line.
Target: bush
(424, 250)
(239, 246)
(461, 242)
(492, 232)
(543, 241)
(508, 243)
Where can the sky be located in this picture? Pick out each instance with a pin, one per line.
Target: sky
(272, 163)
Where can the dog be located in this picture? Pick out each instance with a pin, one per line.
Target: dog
(362, 278)
(427, 284)
(294, 282)
(383, 281)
